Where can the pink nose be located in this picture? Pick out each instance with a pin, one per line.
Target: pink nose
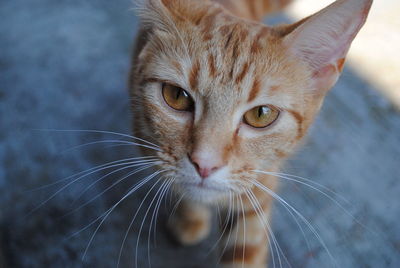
(205, 166)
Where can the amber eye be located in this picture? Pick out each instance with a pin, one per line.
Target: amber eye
(261, 116)
(177, 97)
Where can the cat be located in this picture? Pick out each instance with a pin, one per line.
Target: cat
(227, 100)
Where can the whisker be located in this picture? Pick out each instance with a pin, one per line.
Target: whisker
(219, 212)
(117, 145)
(310, 183)
(265, 223)
(156, 196)
(300, 227)
(170, 196)
(88, 170)
(263, 226)
(244, 231)
(100, 131)
(237, 229)
(312, 229)
(132, 190)
(138, 163)
(110, 187)
(144, 218)
(176, 205)
(231, 209)
(70, 183)
(104, 213)
(111, 141)
(133, 220)
(321, 192)
(158, 208)
(224, 230)
(154, 218)
(264, 220)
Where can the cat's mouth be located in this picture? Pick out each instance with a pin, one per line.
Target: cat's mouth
(202, 192)
(201, 186)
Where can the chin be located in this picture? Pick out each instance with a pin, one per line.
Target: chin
(200, 192)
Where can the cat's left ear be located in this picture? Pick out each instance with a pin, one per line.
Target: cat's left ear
(323, 39)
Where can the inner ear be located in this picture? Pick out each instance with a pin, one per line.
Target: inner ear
(325, 78)
(323, 39)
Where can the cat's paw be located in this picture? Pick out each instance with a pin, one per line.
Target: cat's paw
(190, 227)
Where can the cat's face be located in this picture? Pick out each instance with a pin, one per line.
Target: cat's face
(222, 96)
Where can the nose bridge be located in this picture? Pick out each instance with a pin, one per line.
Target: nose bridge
(211, 137)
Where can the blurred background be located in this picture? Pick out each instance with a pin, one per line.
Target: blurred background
(64, 65)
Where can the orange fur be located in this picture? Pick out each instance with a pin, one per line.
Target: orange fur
(229, 63)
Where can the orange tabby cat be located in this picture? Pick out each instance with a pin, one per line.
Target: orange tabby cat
(228, 99)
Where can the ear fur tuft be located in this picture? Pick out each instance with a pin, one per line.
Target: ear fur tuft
(324, 38)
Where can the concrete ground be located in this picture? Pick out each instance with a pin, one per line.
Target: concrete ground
(64, 64)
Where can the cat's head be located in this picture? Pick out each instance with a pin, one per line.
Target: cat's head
(223, 96)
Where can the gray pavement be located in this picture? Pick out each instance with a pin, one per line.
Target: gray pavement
(64, 65)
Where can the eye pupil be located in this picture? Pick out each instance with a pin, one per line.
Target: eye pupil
(261, 116)
(177, 98)
(178, 94)
(261, 111)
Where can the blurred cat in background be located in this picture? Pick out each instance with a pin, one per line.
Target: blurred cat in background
(227, 100)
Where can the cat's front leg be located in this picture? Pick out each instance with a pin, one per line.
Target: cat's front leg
(245, 243)
(191, 223)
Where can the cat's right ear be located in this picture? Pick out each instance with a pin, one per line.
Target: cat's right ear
(152, 13)
(165, 15)
(323, 39)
